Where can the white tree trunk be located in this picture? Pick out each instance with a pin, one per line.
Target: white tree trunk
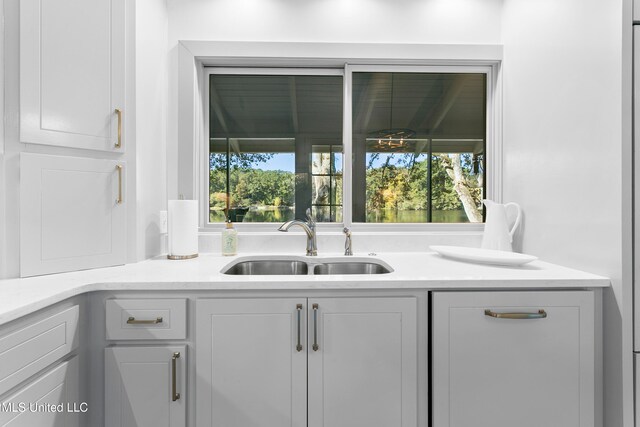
(453, 166)
(321, 164)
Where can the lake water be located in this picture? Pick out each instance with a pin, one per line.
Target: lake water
(377, 216)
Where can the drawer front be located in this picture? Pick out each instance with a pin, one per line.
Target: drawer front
(144, 319)
(514, 358)
(27, 351)
(60, 385)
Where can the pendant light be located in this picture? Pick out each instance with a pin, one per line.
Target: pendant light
(391, 138)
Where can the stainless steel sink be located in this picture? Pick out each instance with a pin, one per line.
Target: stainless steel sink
(268, 267)
(288, 266)
(350, 268)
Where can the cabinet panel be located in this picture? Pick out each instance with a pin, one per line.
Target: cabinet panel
(72, 69)
(31, 405)
(138, 387)
(70, 218)
(364, 370)
(250, 371)
(25, 352)
(501, 372)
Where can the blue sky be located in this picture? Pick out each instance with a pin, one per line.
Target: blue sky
(280, 161)
(286, 162)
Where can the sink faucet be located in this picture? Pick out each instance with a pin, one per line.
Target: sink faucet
(309, 227)
(347, 243)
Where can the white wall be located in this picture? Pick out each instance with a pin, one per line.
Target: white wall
(365, 21)
(563, 113)
(151, 123)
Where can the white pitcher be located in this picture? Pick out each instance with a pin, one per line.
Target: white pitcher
(497, 234)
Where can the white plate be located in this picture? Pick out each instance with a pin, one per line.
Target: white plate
(483, 256)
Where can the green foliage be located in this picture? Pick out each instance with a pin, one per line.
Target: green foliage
(402, 185)
(237, 161)
(399, 184)
(252, 188)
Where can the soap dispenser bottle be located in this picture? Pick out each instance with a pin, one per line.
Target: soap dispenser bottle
(229, 240)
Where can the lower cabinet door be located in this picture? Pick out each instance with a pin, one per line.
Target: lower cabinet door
(505, 359)
(362, 362)
(251, 362)
(51, 400)
(145, 386)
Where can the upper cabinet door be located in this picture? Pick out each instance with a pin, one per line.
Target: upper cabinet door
(72, 73)
(362, 362)
(72, 213)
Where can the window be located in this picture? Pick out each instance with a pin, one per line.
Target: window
(417, 144)
(418, 147)
(275, 146)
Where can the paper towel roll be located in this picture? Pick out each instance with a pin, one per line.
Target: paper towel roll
(183, 229)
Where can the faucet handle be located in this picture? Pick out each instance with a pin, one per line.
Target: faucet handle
(310, 218)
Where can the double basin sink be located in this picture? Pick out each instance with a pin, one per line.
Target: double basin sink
(292, 265)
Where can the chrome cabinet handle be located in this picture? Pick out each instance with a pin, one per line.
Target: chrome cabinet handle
(119, 114)
(174, 360)
(119, 199)
(299, 313)
(316, 347)
(134, 321)
(541, 314)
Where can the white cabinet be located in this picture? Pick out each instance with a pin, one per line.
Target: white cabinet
(50, 400)
(363, 367)
(72, 73)
(250, 369)
(145, 386)
(251, 362)
(504, 359)
(72, 213)
(28, 350)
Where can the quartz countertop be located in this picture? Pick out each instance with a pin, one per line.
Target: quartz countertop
(412, 270)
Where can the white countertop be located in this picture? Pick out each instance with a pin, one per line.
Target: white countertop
(412, 270)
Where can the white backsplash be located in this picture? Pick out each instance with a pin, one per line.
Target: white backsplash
(333, 242)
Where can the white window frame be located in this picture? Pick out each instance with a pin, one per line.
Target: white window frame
(191, 180)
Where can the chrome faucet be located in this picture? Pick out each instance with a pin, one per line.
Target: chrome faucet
(347, 243)
(309, 227)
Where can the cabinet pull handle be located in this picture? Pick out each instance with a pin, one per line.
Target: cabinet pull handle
(119, 199)
(316, 347)
(174, 394)
(299, 311)
(133, 321)
(119, 114)
(541, 314)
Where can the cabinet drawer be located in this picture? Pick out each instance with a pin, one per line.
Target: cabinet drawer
(59, 385)
(27, 351)
(144, 319)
